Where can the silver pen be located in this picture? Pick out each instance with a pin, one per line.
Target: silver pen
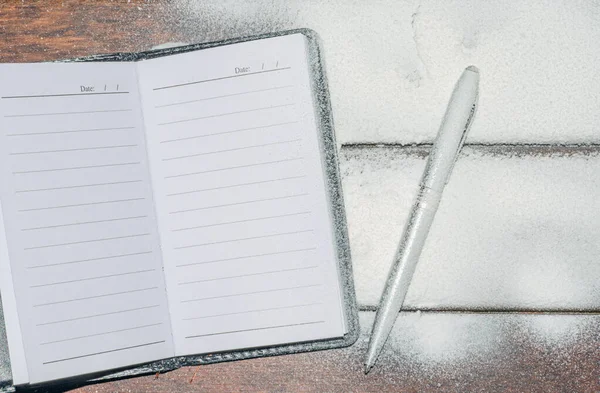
(450, 138)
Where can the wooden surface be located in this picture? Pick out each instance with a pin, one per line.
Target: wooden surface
(484, 353)
(516, 358)
(52, 30)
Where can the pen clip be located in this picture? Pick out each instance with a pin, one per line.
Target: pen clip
(463, 137)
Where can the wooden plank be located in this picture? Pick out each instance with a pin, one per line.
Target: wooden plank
(445, 352)
(52, 30)
(517, 228)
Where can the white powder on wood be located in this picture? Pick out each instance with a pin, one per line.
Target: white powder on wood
(392, 64)
(511, 232)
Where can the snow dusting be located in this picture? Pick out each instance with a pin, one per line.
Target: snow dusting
(516, 230)
(392, 64)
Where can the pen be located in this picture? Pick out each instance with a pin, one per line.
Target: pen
(450, 138)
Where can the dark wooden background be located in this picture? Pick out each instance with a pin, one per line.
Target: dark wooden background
(32, 31)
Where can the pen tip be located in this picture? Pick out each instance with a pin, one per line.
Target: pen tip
(473, 68)
(368, 368)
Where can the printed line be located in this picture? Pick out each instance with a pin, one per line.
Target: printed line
(67, 95)
(239, 221)
(80, 186)
(82, 204)
(227, 150)
(236, 185)
(229, 132)
(247, 256)
(234, 167)
(256, 329)
(86, 241)
(251, 311)
(98, 315)
(251, 293)
(105, 352)
(223, 96)
(84, 223)
(90, 259)
(72, 131)
(95, 297)
(92, 278)
(224, 114)
(248, 275)
(221, 78)
(102, 334)
(239, 203)
(68, 113)
(77, 167)
(68, 150)
(243, 238)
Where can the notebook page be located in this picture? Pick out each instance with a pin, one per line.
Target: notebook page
(14, 339)
(79, 219)
(239, 188)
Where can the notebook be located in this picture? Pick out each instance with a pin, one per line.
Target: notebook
(181, 204)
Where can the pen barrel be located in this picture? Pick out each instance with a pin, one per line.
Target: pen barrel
(403, 266)
(409, 250)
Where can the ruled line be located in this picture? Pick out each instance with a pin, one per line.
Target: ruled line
(227, 150)
(236, 185)
(251, 293)
(82, 204)
(255, 329)
(87, 241)
(102, 334)
(240, 221)
(97, 315)
(247, 256)
(229, 132)
(90, 260)
(243, 238)
(234, 167)
(249, 275)
(95, 297)
(80, 186)
(68, 113)
(239, 203)
(221, 78)
(92, 278)
(84, 223)
(67, 95)
(105, 352)
(72, 131)
(251, 311)
(224, 114)
(76, 168)
(222, 96)
(67, 150)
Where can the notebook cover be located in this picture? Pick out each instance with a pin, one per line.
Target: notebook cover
(334, 188)
(5, 373)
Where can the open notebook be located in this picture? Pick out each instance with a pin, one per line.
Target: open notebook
(175, 205)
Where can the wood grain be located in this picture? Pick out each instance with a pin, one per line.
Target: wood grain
(455, 353)
(33, 31)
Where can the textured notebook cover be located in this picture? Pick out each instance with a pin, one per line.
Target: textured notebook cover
(329, 154)
(5, 375)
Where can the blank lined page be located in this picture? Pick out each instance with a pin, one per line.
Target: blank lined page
(243, 214)
(79, 219)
